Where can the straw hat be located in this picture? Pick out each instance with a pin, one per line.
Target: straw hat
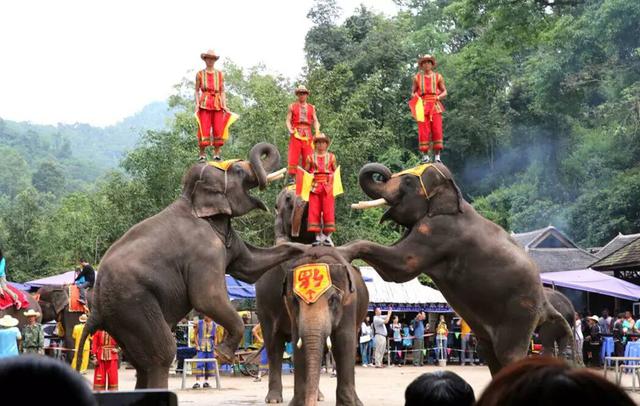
(31, 313)
(594, 318)
(8, 321)
(83, 318)
(301, 89)
(210, 54)
(322, 137)
(425, 58)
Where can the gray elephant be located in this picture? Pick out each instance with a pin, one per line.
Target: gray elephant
(290, 225)
(553, 334)
(480, 269)
(176, 261)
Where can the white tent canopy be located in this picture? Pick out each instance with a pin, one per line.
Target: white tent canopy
(409, 296)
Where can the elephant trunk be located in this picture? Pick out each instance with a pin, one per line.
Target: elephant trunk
(313, 347)
(271, 161)
(374, 188)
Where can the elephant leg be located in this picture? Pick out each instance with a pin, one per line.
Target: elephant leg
(485, 348)
(344, 352)
(511, 342)
(274, 345)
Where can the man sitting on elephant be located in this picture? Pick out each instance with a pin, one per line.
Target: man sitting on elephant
(85, 280)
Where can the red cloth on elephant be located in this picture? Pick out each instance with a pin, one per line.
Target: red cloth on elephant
(7, 300)
(104, 347)
(321, 200)
(430, 130)
(74, 300)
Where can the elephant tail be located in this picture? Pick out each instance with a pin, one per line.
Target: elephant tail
(94, 323)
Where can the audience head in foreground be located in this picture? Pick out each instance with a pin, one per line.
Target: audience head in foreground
(550, 382)
(441, 388)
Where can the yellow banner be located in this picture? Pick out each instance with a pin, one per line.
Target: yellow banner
(337, 183)
(311, 281)
(232, 119)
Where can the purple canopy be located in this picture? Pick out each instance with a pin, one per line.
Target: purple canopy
(592, 281)
(62, 279)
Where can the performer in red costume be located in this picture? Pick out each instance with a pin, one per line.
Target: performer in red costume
(429, 86)
(322, 165)
(211, 106)
(300, 118)
(104, 348)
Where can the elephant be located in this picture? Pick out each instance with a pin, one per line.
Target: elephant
(54, 302)
(552, 333)
(480, 269)
(334, 318)
(291, 217)
(176, 261)
(19, 313)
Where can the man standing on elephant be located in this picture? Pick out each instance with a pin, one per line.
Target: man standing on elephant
(32, 334)
(211, 106)
(322, 165)
(300, 118)
(380, 334)
(205, 335)
(429, 87)
(105, 349)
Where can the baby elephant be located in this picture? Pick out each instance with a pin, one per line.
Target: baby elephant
(326, 300)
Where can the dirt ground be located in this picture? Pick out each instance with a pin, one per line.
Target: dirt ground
(374, 386)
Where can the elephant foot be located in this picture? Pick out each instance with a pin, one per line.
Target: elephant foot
(274, 396)
(226, 353)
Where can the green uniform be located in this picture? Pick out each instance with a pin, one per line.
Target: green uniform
(33, 339)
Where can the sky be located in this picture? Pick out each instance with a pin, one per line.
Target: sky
(98, 62)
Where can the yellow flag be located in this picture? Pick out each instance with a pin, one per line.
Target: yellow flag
(337, 183)
(419, 110)
(232, 117)
(305, 181)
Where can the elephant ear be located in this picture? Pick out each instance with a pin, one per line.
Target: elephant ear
(59, 299)
(207, 202)
(444, 194)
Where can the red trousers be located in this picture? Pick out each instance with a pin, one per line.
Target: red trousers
(322, 204)
(298, 149)
(430, 131)
(211, 127)
(106, 372)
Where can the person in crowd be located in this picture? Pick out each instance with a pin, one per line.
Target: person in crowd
(593, 341)
(578, 337)
(76, 335)
(442, 333)
(4, 288)
(9, 336)
(428, 85)
(205, 335)
(247, 336)
(628, 323)
(418, 339)
(105, 349)
(365, 341)
(300, 118)
(256, 334)
(466, 354)
(380, 334)
(88, 274)
(34, 380)
(440, 388)
(407, 340)
(550, 382)
(322, 165)
(605, 322)
(396, 341)
(210, 106)
(619, 338)
(32, 334)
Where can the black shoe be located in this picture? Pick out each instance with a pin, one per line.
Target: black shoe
(438, 160)
(425, 159)
(196, 386)
(217, 158)
(327, 243)
(202, 159)
(206, 385)
(316, 243)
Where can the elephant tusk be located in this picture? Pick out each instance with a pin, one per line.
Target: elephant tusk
(299, 344)
(329, 343)
(369, 204)
(273, 176)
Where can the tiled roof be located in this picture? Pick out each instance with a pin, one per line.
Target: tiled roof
(531, 238)
(560, 259)
(628, 255)
(620, 241)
